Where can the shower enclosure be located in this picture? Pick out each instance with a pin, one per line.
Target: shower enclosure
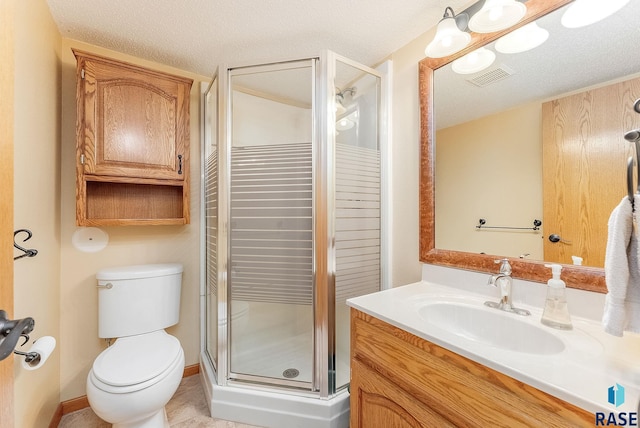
(293, 211)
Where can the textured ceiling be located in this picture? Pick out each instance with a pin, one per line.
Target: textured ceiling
(199, 35)
(570, 60)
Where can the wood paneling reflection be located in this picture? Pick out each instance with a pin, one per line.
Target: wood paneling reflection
(584, 168)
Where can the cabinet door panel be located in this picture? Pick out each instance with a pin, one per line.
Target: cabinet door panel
(137, 127)
(133, 123)
(377, 402)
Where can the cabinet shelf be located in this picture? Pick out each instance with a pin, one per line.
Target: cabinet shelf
(121, 204)
(135, 222)
(132, 180)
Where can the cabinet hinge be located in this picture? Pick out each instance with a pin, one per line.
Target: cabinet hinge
(82, 159)
(82, 73)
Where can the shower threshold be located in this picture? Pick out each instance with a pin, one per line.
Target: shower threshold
(272, 409)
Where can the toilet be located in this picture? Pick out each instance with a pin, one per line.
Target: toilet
(132, 380)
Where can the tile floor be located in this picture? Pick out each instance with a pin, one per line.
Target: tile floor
(187, 409)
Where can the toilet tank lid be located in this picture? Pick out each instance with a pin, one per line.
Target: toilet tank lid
(139, 271)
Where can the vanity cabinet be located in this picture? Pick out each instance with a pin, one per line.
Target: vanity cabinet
(400, 380)
(132, 144)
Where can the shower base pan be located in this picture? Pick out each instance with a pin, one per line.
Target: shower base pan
(272, 409)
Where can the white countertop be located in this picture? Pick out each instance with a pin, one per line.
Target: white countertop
(581, 374)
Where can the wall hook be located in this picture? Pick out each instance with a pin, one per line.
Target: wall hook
(27, 252)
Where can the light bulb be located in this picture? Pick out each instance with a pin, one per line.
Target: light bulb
(585, 12)
(474, 62)
(495, 13)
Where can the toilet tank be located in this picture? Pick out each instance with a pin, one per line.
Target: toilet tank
(138, 299)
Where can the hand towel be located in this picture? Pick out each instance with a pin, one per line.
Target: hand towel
(622, 272)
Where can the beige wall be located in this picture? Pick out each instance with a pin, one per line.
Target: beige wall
(57, 287)
(405, 162)
(491, 168)
(127, 245)
(37, 202)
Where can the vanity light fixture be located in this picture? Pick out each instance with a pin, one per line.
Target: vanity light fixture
(450, 37)
(523, 39)
(585, 12)
(474, 62)
(497, 15)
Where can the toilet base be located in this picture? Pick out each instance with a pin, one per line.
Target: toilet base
(157, 420)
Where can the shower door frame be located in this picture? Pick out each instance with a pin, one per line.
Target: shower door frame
(226, 138)
(323, 384)
(218, 362)
(325, 233)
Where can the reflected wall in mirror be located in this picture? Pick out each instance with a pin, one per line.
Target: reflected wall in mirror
(491, 161)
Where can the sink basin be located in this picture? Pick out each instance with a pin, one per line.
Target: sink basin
(492, 327)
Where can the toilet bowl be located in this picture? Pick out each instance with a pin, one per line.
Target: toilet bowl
(132, 380)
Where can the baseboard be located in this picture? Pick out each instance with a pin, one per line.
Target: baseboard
(57, 417)
(80, 403)
(68, 406)
(74, 405)
(191, 370)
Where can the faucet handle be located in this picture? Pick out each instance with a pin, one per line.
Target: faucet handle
(505, 267)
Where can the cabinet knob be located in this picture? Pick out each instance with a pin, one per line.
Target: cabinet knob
(179, 164)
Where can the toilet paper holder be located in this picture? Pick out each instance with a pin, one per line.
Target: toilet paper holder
(10, 333)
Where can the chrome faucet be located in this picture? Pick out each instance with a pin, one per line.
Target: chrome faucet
(504, 282)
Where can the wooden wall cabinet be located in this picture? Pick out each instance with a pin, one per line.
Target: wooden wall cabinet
(399, 380)
(132, 144)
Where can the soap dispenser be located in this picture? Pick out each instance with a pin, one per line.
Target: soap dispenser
(556, 311)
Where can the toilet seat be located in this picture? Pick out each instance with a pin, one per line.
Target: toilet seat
(136, 362)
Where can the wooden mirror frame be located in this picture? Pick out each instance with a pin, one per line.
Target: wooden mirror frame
(581, 277)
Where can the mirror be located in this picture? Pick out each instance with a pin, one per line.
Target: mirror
(498, 143)
(584, 277)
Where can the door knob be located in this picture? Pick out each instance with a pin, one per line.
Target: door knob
(11, 331)
(554, 237)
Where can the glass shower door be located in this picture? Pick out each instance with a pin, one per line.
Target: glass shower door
(270, 270)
